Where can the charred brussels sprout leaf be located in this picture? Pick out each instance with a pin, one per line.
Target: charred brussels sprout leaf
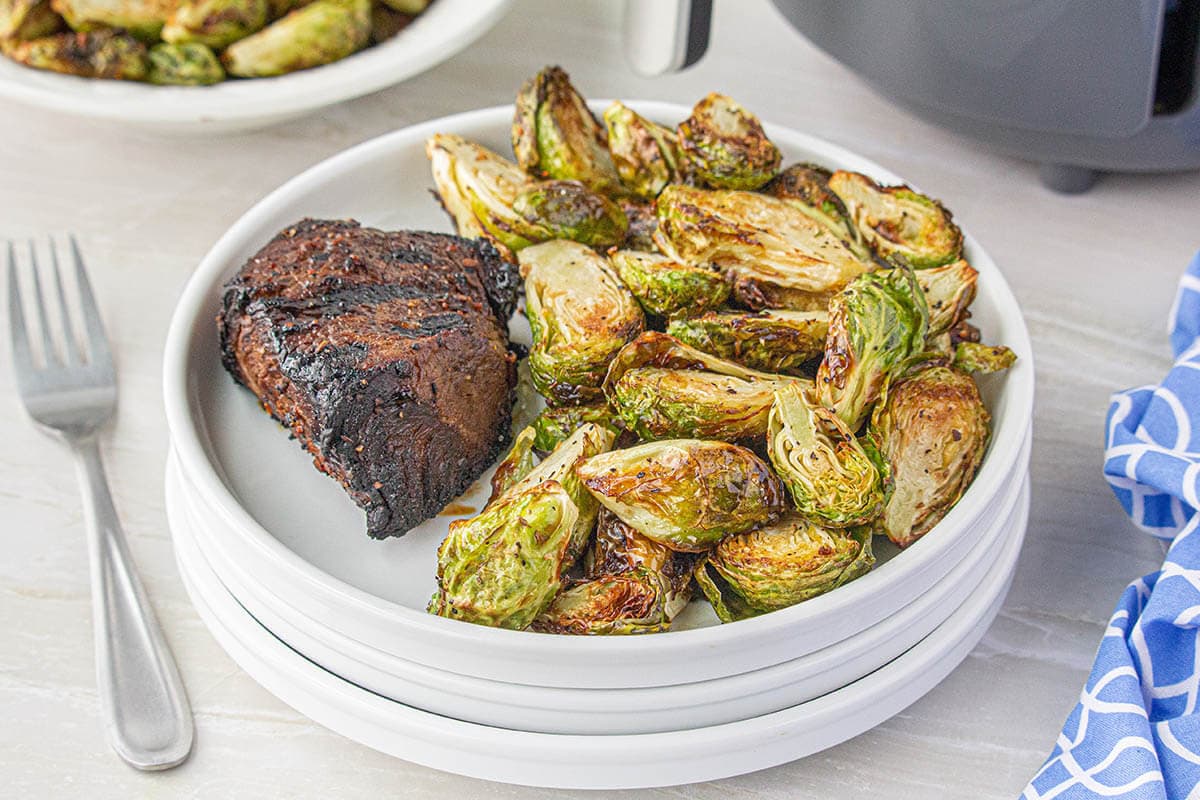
(932, 429)
(902, 226)
(190, 64)
(517, 464)
(215, 23)
(876, 324)
(983, 358)
(687, 494)
(99, 54)
(772, 341)
(774, 254)
(555, 424)
(806, 186)
(668, 288)
(569, 210)
(642, 224)
(780, 565)
(725, 146)
(949, 291)
(319, 33)
(27, 19)
(580, 314)
(646, 155)
(142, 19)
(556, 136)
(832, 479)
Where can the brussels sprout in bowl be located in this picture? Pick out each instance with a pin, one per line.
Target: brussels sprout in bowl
(377, 594)
(444, 29)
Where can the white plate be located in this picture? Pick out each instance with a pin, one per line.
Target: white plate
(592, 762)
(608, 711)
(446, 28)
(301, 536)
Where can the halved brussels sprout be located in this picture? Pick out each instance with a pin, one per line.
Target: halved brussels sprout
(780, 565)
(932, 429)
(569, 210)
(832, 479)
(775, 255)
(772, 341)
(949, 291)
(142, 19)
(725, 146)
(876, 324)
(504, 567)
(555, 424)
(902, 226)
(555, 135)
(664, 389)
(319, 33)
(687, 494)
(516, 464)
(806, 186)
(215, 23)
(99, 54)
(983, 358)
(646, 155)
(190, 64)
(668, 288)
(580, 314)
(28, 19)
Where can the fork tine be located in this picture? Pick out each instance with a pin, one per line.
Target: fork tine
(49, 349)
(97, 342)
(71, 351)
(22, 357)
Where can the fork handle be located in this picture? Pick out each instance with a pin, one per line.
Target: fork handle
(146, 712)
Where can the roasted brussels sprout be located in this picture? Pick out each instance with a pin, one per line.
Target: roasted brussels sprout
(806, 186)
(580, 314)
(725, 146)
(646, 155)
(642, 224)
(319, 33)
(98, 54)
(555, 424)
(668, 288)
(517, 463)
(780, 565)
(902, 226)
(832, 479)
(661, 388)
(569, 210)
(387, 22)
(983, 358)
(949, 291)
(555, 135)
(504, 566)
(28, 19)
(215, 23)
(687, 494)
(876, 324)
(190, 64)
(142, 19)
(775, 255)
(932, 430)
(771, 341)
(410, 7)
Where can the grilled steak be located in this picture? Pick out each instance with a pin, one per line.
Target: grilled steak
(387, 355)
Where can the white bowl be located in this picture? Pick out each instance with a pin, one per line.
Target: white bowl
(591, 762)
(301, 537)
(447, 27)
(605, 711)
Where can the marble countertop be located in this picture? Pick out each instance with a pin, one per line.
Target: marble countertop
(147, 208)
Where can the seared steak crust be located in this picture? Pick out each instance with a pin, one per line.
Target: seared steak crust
(387, 355)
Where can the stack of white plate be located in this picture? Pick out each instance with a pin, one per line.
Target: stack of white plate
(275, 560)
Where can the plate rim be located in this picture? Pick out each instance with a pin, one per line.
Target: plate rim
(998, 466)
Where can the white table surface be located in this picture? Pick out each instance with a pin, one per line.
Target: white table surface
(1094, 273)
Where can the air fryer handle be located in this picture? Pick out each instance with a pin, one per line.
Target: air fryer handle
(664, 36)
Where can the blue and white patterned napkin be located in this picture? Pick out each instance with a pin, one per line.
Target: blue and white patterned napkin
(1136, 732)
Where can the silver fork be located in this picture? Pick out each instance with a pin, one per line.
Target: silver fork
(71, 395)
